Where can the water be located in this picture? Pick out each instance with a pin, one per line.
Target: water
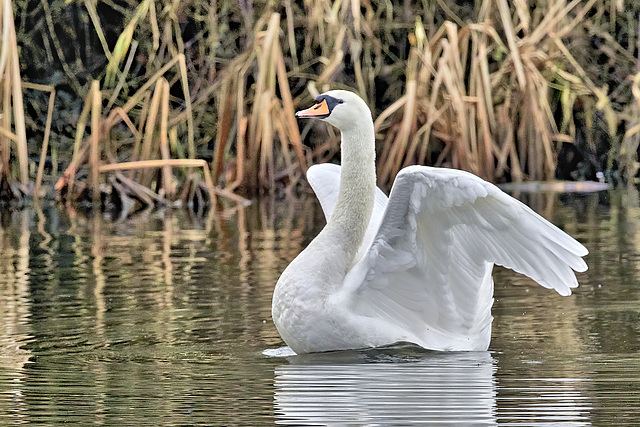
(162, 319)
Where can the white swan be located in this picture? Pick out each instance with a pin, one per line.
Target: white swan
(415, 267)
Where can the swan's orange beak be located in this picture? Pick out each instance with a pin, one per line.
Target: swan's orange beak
(319, 111)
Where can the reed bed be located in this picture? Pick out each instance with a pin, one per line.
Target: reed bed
(186, 101)
(464, 109)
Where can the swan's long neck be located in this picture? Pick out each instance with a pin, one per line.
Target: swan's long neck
(351, 215)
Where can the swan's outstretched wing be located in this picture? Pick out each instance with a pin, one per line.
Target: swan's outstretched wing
(325, 181)
(428, 269)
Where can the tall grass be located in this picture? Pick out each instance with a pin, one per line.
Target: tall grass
(13, 127)
(631, 142)
(490, 89)
(481, 102)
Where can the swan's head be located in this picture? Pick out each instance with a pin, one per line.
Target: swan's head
(341, 108)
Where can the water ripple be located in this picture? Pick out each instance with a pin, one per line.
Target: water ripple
(441, 388)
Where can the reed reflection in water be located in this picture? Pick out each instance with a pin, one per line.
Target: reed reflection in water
(94, 312)
(162, 319)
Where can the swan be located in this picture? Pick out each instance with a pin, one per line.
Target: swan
(416, 266)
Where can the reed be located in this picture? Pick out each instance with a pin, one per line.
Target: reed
(47, 131)
(96, 124)
(491, 89)
(497, 124)
(631, 141)
(13, 127)
(151, 148)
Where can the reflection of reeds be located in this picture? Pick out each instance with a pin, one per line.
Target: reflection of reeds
(15, 308)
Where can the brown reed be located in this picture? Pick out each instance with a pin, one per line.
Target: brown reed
(12, 98)
(478, 91)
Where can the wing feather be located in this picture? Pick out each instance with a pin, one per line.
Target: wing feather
(325, 181)
(428, 268)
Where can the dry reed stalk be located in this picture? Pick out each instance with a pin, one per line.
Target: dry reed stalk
(240, 155)
(463, 152)
(336, 59)
(243, 121)
(398, 146)
(5, 129)
(96, 119)
(130, 125)
(289, 167)
(147, 151)
(291, 125)
(269, 118)
(395, 149)
(47, 131)
(70, 173)
(123, 43)
(188, 107)
(158, 163)
(486, 117)
(635, 88)
(454, 85)
(225, 112)
(12, 101)
(291, 32)
(436, 97)
(260, 135)
(141, 93)
(148, 120)
(147, 196)
(144, 112)
(167, 181)
(537, 124)
(474, 96)
(149, 111)
(90, 5)
(631, 141)
(189, 163)
(123, 75)
(6, 136)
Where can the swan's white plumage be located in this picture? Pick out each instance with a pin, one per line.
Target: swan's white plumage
(422, 272)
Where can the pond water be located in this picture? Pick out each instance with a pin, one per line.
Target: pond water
(163, 318)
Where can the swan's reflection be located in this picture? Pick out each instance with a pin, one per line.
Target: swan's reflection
(396, 386)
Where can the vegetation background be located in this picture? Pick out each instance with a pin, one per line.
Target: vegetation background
(143, 103)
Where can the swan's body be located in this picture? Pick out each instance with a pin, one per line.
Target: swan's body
(415, 267)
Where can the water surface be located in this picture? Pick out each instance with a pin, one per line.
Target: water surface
(162, 319)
